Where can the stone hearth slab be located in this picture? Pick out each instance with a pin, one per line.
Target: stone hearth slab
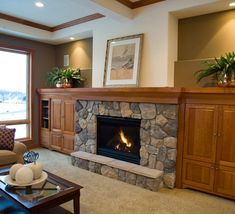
(122, 165)
(147, 172)
(100, 159)
(81, 154)
(148, 178)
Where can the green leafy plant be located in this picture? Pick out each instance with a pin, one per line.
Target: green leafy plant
(54, 76)
(222, 69)
(65, 76)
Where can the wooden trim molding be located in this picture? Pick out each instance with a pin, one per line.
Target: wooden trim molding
(210, 95)
(24, 22)
(142, 3)
(137, 4)
(52, 29)
(147, 95)
(78, 21)
(126, 3)
(164, 95)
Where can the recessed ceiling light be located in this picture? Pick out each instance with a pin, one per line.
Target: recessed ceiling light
(71, 38)
(39, 4)
(232, 4)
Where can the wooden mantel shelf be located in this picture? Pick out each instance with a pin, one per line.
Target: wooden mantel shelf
(148, 95)
(163, 95)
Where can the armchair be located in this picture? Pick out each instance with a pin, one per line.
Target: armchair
(8, 158)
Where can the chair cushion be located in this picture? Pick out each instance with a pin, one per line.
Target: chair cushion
(7, 137)
(7, 157)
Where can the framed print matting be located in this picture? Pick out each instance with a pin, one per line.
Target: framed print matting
(122, 61)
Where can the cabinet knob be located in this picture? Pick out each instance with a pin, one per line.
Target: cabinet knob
(212, 167)
(215, 134)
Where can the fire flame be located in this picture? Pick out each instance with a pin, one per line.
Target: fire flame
(124, 139)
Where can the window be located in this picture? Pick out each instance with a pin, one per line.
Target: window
(15, 111)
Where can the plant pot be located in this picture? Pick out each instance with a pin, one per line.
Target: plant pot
(59, 85)
(226, 83)
(67, 84)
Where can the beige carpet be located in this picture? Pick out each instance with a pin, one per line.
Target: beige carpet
(102, 195)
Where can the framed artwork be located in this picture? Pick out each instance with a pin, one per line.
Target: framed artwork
(122, 61)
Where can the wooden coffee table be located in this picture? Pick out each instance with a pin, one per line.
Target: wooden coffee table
(39, 198)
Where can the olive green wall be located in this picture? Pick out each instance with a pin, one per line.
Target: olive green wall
(80, 56)
(43, 60)
(201, 38)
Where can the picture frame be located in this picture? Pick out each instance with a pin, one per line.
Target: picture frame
(122, 61)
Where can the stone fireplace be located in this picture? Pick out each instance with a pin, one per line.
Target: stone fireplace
(157, 132)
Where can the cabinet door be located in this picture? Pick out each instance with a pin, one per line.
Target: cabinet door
(56, 112)
(45, 138)
(198, 174)
(68, 116)
(226, 137)
(56, 141)
(68, 143)
(225, 181)
(200, 132)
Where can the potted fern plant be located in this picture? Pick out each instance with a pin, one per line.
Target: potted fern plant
(222, 69)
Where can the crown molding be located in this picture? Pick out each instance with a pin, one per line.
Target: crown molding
(137, 4)
(24, 22)
(55, 28)
(78, 21)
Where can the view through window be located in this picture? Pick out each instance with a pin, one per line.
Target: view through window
(14, 91)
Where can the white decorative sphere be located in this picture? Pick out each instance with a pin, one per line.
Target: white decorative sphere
(24, 175)
(37, 169)
(14, 169)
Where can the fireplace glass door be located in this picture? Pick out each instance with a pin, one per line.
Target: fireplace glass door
(119, 138)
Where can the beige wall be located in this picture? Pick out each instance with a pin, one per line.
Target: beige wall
(43, 61)
(200, 38)
(80, 56)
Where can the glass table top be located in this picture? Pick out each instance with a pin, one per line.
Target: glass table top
(34, 194)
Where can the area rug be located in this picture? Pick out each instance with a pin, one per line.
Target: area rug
(103, 195)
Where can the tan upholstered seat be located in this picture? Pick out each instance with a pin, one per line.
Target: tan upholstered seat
(7, 158)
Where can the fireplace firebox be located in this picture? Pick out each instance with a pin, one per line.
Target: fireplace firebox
(119, 138)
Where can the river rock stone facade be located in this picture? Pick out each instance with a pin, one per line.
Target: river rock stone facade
(158, 132)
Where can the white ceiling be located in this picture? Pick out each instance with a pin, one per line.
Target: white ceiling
(58, 12)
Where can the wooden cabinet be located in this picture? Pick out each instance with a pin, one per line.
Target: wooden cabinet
(57, 122)
(62, 124)
(209, 148)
